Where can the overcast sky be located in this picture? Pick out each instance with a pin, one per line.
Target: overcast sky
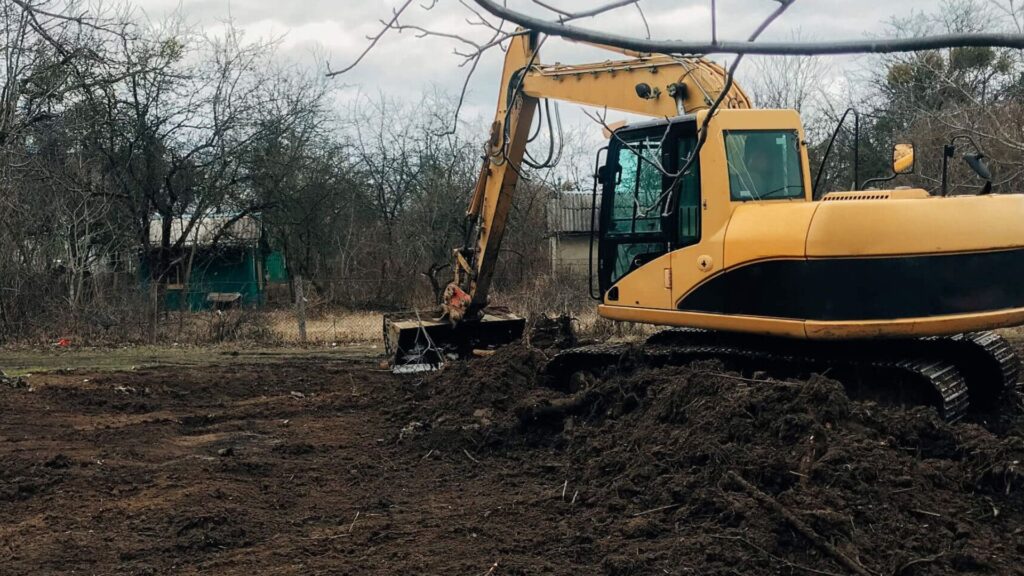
(404, 65)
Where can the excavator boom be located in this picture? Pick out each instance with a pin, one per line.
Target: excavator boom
(655, 85)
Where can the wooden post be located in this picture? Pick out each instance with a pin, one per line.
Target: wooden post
(154, 305)
(300, 308)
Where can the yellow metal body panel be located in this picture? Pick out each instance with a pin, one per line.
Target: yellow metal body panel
(694, 264)
(897, 328)
(748, 324)
(915, 327)
(691, 266)
(902, 194)
(714, 149)
(837, 230)
(768, 230)
(934, 225)
(645, 287)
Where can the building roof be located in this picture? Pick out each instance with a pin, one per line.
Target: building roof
(245, 230)
(570, 213)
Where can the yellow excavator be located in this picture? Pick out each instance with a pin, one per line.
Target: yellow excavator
(731, 246)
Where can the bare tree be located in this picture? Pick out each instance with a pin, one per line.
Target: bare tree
(788, 81)
(935, 96)
(117, 138)
(55, 225)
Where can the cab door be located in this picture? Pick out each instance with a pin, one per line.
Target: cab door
(635, 231)
(698, 249)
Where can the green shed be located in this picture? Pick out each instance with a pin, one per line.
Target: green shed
(233, 271)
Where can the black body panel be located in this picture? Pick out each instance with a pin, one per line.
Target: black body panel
(879, 288)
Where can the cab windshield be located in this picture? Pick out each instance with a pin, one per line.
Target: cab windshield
(764, 165)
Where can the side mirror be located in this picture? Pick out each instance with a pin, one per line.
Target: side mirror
(978, 163)
(602, 174)
(903, 160)
(980, 166)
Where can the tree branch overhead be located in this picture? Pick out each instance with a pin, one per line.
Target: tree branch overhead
(867, 46)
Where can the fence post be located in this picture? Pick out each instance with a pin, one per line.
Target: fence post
(300, 308)
(154, 309)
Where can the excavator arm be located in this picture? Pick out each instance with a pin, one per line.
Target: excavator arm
(655, 85)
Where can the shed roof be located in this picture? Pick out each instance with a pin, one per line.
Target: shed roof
(245, 230)
(570, 213)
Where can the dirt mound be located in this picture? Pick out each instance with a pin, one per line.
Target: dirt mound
(468, 391)
(489, 467)
(695, 466)
(553, 333)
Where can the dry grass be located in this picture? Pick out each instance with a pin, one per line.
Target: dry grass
(589, 325)
(339, 326)
(357, 327)
(1014, 335)
(38, 360)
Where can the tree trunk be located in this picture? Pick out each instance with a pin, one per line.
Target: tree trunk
(183, 300)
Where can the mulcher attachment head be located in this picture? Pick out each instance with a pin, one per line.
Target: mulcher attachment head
(417, 342)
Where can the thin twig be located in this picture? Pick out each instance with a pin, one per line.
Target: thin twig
(659, 509)
(566, 16)
(643, 18)
(798, 524)
(353, 524)
(915, 562)
(741, 378)
(373, 40)
(772, 556)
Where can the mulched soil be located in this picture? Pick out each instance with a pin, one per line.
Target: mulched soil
(490, 468)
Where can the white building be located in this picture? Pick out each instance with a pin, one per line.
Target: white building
(569, 225)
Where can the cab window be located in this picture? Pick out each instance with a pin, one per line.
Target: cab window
(636, 208)
(764, 164)
(639, 193)
(688, 204)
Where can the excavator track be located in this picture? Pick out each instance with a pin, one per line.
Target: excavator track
(942, 372)
(992, 371)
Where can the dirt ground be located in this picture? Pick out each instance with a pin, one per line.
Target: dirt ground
(330, 465)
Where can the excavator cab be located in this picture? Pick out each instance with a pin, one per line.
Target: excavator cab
(649, 207)
(653, 201)
(664, 212)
